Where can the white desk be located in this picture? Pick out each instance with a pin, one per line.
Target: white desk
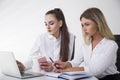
(3, 77)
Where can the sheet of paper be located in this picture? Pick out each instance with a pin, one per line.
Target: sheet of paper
(52, 74)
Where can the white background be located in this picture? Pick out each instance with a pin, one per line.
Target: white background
(21, 21)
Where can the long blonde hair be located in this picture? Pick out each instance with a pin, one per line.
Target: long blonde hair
(97, 16)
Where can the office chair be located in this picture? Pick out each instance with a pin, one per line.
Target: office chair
(73, 49)
(117, 39)
(117, 76)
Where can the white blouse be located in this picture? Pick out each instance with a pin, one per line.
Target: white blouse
(100, 61)
(48, 46)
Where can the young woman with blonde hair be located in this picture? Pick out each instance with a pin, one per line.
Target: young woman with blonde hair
(97, 55)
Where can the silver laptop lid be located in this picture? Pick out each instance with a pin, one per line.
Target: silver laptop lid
(8, 64)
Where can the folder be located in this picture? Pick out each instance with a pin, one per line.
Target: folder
(69, 75)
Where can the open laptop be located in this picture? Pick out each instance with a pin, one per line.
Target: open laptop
(9, 66)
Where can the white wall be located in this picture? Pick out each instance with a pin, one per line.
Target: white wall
(22, 20)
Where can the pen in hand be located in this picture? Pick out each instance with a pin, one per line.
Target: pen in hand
(56, 66)
(53, 62)
(51, 59)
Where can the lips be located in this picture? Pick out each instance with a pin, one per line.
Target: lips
(86, 33)
(49, 30)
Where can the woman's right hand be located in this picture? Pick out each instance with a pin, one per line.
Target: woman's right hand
(60, 65)
(45, 65)
(20, 66)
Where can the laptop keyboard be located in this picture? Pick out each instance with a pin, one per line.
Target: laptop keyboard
(27, 74)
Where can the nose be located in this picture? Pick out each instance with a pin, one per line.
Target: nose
(48, 26)
(84, 28)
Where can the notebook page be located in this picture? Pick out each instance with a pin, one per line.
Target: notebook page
(52, 74)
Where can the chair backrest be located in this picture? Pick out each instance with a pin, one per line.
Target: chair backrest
(117, 39)
(73, 49)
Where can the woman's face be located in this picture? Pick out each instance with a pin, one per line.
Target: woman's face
(52, 24)
(89, 27)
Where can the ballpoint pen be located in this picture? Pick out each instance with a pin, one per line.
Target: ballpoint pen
(51, 59)
(53, 62)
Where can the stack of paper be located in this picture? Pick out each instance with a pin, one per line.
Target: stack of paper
(52, 74)
(69, 75)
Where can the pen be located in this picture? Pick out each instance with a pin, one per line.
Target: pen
(51, 59)
(53, 62)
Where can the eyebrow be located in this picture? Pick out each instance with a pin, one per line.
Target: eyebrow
(49, 21)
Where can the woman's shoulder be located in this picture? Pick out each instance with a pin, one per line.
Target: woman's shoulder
(111, 42)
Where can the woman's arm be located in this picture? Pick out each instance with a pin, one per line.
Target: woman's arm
(73, 69)
(65, 67)
(70, 69)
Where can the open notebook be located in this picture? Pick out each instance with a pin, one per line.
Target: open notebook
(69, 75)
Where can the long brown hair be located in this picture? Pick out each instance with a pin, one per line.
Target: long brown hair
(97, 16)
(64, 48)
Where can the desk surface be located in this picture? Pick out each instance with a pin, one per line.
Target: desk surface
(3, 77)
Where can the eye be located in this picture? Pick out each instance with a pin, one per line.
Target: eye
(51, 23)
(82, 25)
(86, 24)
(45, 24)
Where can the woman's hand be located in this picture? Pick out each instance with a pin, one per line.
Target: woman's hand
(62, 65)
(69, 69)
(20, 66)
(56, 70)
(65, 67)
(46, 66)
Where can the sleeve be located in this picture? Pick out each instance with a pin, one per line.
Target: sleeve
(78, 57)
(99, 64)
(34, 52)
